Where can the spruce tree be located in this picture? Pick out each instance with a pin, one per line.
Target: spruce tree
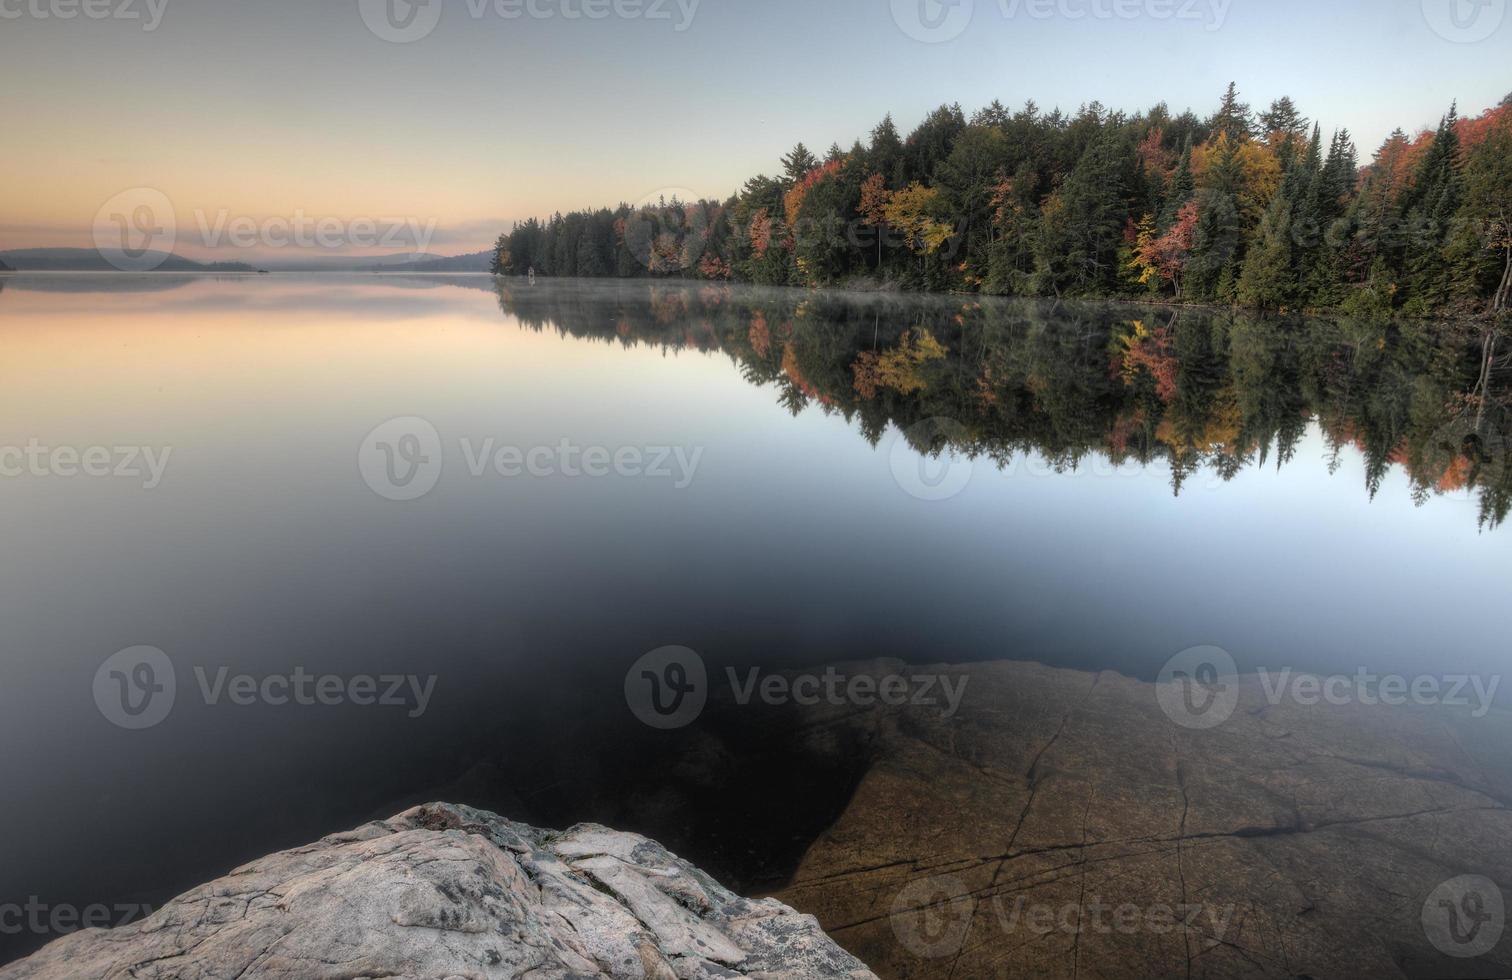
(797, 164)
(1431, 207)
(1233, 117)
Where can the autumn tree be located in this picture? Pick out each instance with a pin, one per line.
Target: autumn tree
(1162, 258)
(915, 211)
(873, 209)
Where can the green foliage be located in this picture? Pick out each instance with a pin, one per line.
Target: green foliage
(1086, 204)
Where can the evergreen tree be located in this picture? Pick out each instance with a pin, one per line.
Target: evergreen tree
(1282, 118)
(1268, 278)
(1233, 117)
(1082, 228)
(797, 164)
(885, 154)
(930, 144)
(1183, 186)
(1431, 207)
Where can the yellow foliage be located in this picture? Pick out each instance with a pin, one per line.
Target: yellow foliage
(912, 211)
(897, 369)
(1260, 173)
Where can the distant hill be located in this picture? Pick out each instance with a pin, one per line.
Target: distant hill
(5, 268)
(300, 260)
(472, 262)
(89, 260)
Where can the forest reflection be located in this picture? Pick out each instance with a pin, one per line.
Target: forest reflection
(1198, 390)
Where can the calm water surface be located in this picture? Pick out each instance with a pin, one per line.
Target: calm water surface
(844, 478)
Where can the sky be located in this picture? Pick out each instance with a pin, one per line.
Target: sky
(376, 126)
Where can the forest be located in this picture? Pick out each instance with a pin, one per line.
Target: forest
(1242, 208)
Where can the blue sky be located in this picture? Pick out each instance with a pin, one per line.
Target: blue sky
(499, 113)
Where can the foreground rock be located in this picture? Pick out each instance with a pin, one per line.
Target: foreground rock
(448, 891)
(1062, 825)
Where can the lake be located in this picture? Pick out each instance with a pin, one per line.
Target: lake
(286, 553)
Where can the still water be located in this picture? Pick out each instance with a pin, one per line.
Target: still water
(450, 513)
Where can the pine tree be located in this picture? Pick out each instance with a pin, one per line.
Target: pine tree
(1233, 117)
(797, 164)
(1431, 208)
(1183, 186)
(1081, 233)
(1480, 249)
(885, 154)
(1282, 119)
(1268, 277)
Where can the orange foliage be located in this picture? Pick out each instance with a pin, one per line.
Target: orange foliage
(713, 267)
(761, 337)
(1473, 132)
(795, 374)
(1155, 157)
(792, 201)
(761, 232)
(1151, 351)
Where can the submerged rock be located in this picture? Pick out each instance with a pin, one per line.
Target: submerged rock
(1062, 824)
(449, 891)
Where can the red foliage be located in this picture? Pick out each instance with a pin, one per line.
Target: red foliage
(1156, 158)
(1153, 352)
(761, 232)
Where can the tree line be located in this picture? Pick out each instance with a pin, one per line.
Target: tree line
(1248, 208)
